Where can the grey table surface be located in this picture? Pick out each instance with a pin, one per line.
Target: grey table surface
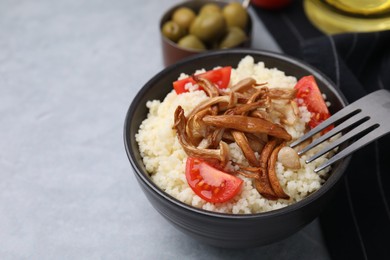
(68, 72)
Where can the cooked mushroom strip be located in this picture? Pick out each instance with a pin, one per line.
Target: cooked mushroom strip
(245, 108)
(261, 114)
(266, 153)
(246, 84)
(244, 170)
(262, 183)
(212, 101)
(265, 191)
(243, 85)
(215, 137)
(248, 124)
(250, 169)
(209, 87)
(221, 154)
(227, 136)
(203, 144)
(273, 178)
(260, 94)
(222, 106)
(257, 141)
(250, 175)
(240, 97)
(282, 93)
(196, 129)
(243, 143)
(212, 139)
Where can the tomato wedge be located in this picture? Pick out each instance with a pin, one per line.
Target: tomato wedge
(220, 77)
(309, 95)
(209, 183)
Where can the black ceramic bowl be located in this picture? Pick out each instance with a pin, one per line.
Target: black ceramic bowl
(228, 230)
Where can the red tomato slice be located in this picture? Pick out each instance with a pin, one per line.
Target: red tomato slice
(220, 77)
(209, 183)
(310, 94)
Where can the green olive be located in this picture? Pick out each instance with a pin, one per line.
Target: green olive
(173, 31)
(208, 27)
(234, 37)
(183, 16)
(191, 42)
(235, 15)
(209, 8)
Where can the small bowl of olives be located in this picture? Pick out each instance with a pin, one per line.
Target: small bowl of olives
(192, 27)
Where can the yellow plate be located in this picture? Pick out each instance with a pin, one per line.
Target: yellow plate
(331, 20)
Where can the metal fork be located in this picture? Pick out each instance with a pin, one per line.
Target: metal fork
(361, 122)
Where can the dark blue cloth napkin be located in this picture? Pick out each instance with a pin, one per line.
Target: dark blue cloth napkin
(357, 223)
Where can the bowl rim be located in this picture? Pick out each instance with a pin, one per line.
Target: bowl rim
(329, 183)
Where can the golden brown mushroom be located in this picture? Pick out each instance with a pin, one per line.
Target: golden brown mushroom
(241, 116)
(221, 154)
(209, 87)
(248, 124)
(246, 149)
(273, 178)
(262, 183)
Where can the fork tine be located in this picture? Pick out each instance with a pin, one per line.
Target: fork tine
(362, 128)
(357, 118)
(341, 114)
(368, 138)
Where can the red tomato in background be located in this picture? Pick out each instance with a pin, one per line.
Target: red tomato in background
(220, 77)
(209, 183)
(310, 94)
(271, 4)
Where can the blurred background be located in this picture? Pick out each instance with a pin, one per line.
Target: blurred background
(68, 73)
